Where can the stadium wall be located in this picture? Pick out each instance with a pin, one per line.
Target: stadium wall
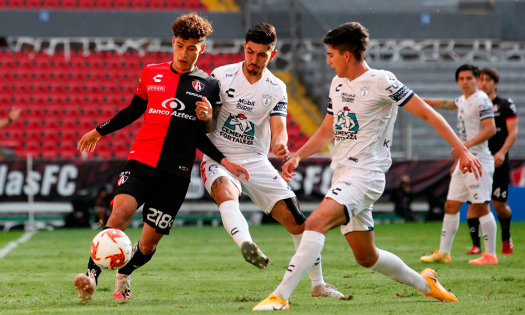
(230, 25)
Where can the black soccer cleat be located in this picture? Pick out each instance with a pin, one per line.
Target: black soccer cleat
(254, 255)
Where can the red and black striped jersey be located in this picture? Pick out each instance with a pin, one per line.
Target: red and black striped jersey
(171, 131)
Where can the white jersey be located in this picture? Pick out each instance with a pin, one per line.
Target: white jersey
(243, 127)
(471, 112)
(364, 111)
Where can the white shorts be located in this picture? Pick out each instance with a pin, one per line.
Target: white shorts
(265, 187)
(356, 189)
(465, 187)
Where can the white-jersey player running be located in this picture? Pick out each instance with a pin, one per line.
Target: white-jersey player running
(251, 120)
(361, 156)
(475, 127)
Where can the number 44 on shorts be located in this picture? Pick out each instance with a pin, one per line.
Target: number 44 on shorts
(497, 193)
(160, 219)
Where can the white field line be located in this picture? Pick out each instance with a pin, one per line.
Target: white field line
(12, 245)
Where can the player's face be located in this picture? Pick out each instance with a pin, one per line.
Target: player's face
(185, 53)
(337, 61)
(257, 57)
(486, 83)
(467, 82)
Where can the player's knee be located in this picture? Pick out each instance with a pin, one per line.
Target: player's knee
(365, 260)
(118, 219)
(147, 248)
(500, 208)
(451, 208)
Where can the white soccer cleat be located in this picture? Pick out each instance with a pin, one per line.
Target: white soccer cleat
(86, 286)
(326, 290)
(122, 287)
(272, 303)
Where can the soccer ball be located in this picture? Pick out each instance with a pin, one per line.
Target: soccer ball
(111, 249)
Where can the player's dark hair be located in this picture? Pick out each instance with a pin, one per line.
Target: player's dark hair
(262, 33)
(192, 26)
(467, 67)
(491, 72)
(351, 37)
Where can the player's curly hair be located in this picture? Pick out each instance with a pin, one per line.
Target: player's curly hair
(192, 26)
(351, 37)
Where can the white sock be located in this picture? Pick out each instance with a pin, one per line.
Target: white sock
(450, 227)
(309, 250)
(489, 227)
(393, 267)
(234, 222)
(316, 272)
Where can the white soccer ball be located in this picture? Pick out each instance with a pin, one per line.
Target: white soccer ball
(111, 249)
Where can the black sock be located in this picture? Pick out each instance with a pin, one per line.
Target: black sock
(92, 267)
(505, 228)
(137, 260)
(473, 225)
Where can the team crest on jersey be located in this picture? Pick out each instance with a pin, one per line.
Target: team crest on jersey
(266, 99)
(197, 85)
(365, 91)
(240, 124)
(122, 180)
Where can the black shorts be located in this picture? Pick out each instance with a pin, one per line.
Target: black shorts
(161, 193)
(500, 183)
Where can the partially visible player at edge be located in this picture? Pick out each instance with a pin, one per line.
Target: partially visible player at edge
(251, 120)
(162, 156)
(475, 126)
(499, 145)
(370, 99)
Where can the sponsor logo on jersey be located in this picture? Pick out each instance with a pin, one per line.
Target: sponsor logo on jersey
(271, 82)
(266, 99)
(237, 128)
(230, 75)
(365, 91)
(157, 78)
(176, 107)
(213, 169)
(346, 125)
(194, 94)
(246, 105)
(348, 98)
(159, 88)
(280, 107)
(197, 85)
(337, 88)
(173, 103)
(400, 94)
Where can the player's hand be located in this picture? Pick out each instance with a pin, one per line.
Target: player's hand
(289, 167)
(499, 158)
(281, 151)
(203, 110)
(235, 169)
(88, 142)
(469, 163)
(14, 113)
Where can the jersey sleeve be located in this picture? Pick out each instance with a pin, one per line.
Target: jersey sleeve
(485, 109)
(281, 108)
(509, 111)
(329, 109)
(216, 76)
(392, 90)
(142, 90)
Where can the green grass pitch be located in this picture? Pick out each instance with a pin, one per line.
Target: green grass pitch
(201, 271)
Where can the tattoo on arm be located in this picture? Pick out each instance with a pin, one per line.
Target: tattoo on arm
(210, 125)
(447, 104)
(272, 144)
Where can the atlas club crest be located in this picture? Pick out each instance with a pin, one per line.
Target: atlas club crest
(197, 85)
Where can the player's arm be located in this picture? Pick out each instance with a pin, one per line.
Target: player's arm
(316, 143)
(279, 137)
(207, 147)
(512, 127)
(14, 113)
(207, 114)
(123, 118)
(441, 103)
(488, 131)
(422, 110)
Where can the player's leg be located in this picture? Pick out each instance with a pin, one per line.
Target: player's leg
(475, 231)
(499, 201)
(457, 195)
(327, 216)
(489, 228)
(166, 195)
(378, 260)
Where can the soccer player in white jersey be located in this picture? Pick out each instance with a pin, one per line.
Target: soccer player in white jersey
(251, 120)
(360, 156)
(475, 127)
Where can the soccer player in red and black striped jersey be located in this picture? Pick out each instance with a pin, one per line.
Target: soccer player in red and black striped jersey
(506, 121)
(175, 98)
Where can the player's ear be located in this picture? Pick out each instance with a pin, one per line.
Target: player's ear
(273, 55)
(348, 56)
(202, 49)
(173, 41)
